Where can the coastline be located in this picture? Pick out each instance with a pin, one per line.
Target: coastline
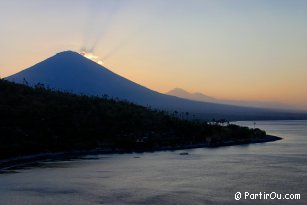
(11, 163)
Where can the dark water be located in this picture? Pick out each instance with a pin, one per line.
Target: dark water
(205, 176)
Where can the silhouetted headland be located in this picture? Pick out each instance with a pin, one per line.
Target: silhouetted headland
(42, 122)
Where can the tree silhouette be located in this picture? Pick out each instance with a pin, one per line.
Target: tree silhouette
(38, 119)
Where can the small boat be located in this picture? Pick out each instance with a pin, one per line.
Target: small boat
(184, 153)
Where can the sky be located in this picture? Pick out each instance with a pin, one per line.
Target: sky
(227, 49)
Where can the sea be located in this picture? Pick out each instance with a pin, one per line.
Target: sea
(264, 173)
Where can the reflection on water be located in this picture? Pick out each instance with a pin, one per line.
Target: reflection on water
(204, 176)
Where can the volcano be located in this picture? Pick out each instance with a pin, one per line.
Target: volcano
(72, 72)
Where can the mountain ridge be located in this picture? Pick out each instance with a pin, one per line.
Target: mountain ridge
(70, 71)
(198, 96)
(179, 92)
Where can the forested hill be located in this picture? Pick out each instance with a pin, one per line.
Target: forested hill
(36, 120)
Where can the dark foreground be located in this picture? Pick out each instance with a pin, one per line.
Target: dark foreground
(39, 120)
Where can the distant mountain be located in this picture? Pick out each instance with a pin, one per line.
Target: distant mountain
(70, 71)
(178, 92)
